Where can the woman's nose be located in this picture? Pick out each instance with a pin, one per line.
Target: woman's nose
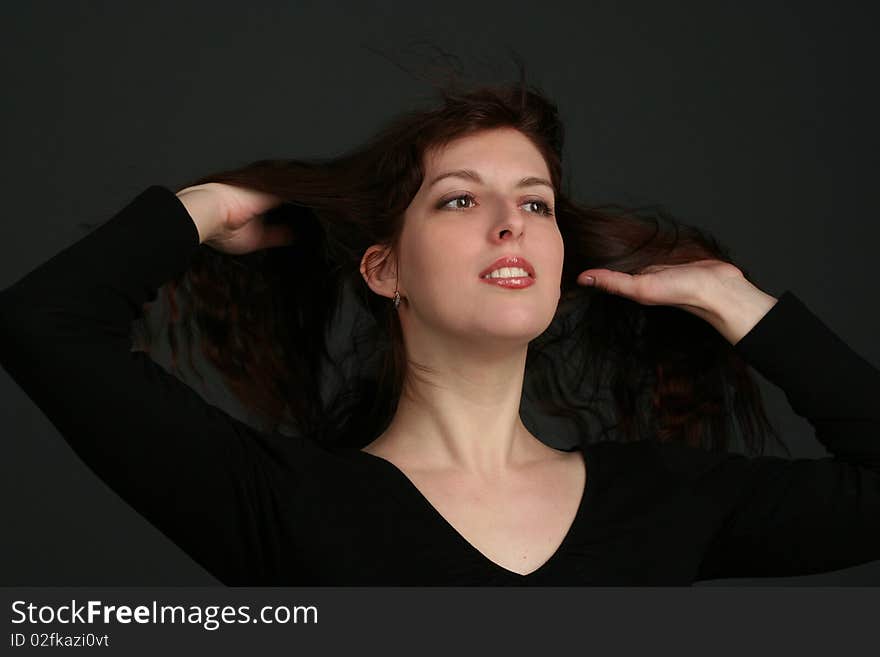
(511, 225)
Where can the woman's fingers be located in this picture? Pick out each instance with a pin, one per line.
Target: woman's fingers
(681, 285)
(613, 282)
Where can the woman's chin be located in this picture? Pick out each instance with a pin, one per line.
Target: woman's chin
(512, 331)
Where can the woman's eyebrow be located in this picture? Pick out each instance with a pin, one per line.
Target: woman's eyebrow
(470, 174)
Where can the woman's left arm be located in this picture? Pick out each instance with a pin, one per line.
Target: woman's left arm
(783, 517)
(770, 516)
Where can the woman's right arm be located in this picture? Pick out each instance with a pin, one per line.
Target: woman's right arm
(202, 477)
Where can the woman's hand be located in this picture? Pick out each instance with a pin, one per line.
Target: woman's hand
(684, 286)
(713, 290)
(229, 218)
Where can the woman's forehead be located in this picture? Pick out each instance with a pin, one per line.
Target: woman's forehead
(502, 155)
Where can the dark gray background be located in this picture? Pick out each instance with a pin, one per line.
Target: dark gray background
(755, 121)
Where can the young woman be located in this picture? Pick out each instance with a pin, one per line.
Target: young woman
(453, 231)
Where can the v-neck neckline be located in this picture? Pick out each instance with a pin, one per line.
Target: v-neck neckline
(586, 496)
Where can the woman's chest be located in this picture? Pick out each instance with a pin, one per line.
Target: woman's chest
(517, 524)
(374, 526)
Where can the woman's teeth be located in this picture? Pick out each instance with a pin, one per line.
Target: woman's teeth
(507, 272)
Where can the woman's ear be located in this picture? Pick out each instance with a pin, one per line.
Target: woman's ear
(379, 271)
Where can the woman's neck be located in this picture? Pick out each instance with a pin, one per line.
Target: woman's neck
(463, 417)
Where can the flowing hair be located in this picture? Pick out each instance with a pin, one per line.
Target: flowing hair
(617, 369)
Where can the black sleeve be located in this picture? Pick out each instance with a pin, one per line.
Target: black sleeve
(786, 517)
(199, 475)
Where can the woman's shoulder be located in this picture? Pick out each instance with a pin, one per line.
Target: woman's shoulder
(640, 460)
(296, 457)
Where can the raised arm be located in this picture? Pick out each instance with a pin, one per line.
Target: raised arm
(783, 517)
(199, 475)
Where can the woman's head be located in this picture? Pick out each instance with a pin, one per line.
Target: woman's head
(374, 220)
(483, 195)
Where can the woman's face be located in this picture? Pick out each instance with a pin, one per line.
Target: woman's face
(458, 225)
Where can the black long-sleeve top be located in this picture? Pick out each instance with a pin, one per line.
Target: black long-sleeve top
(259, 508)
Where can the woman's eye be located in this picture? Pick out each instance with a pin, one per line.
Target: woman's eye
(468, 199)
(545, 209)
(465, 197)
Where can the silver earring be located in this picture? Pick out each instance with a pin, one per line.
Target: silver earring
(396, 299)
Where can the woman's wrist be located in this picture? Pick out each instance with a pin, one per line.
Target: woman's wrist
(204, 210)
(735, 307)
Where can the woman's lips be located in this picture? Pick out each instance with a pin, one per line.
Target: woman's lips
(510, 261)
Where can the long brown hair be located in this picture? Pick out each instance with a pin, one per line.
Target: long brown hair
(617, 369)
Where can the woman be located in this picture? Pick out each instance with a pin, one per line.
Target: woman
(454, 224)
